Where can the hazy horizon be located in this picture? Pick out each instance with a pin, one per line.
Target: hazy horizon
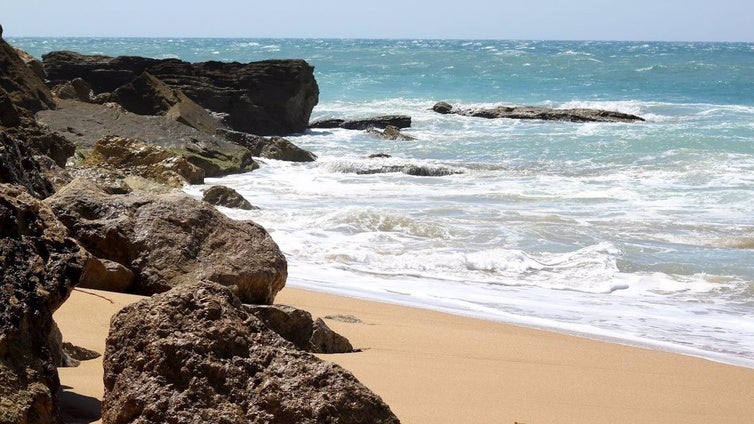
(547, 20)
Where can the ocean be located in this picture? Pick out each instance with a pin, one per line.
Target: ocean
(637, 233)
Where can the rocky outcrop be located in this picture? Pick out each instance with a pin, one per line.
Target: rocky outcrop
(39, 266)
(225, 196)
(23, 86)
(84, 124)
(147, 95)
(171, 239)
(381, 122)
(42, 141)
(76, 89)
(298, 327)
(135, 157)
(201, 357)
(277, 148)
(18, 166)
(272, 97)
(539, 113)
(390, 133)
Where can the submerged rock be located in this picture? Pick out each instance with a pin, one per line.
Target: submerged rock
(201, 357)
(540, 113)
(391, 133)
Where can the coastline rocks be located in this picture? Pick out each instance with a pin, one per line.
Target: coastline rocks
(227, 197)
(84, 124)
(76, 89)
(39, 265)
(277, 148)
(171, 239)
(540, 113)
(381, 122)
(298, 327)
(25, 89)
(195, 355)
(271, 97)
(18, 166)
(135, 157)
(390, 133)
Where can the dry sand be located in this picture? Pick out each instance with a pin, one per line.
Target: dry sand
(432, 367)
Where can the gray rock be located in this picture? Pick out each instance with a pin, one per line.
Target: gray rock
(201, 357)
(277, 148)
(390, 133)
(540, 113)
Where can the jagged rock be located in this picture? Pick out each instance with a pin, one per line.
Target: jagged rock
(201, 357)
(18, 166)
(138, 158)
(297, 326)
(147, 95)
(24, 87)
(171, 239)
(76, 89)
(39, 266)
(34, 64)
(271, 97)
(542, 113)
(102, 274)
(226, 196)
(390, 133)
(381, 122)
(84, 124)
(269, 148)
(9, 115)
(42, 141)
(443, 108)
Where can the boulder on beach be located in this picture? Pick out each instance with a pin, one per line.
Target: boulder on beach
(171, 239)
(201, 357)
(539, 113)
(225, 196)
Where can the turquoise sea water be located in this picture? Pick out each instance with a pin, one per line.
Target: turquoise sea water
(641, 233)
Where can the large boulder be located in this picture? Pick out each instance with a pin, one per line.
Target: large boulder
(539, 113)
(25, 88)
(194, 354)
(171, 239)
(84, 124)
(225, 196)
(39, 266)
(277, 148)
(19, 166)
(271, 97)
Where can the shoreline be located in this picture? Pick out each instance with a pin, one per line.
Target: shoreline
(436, 367)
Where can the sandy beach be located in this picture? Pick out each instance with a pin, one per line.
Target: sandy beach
(432, 367)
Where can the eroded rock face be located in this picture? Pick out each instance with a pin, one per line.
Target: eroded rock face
(272, 97)
(171, 239)
(39, 266)
(195, 355)
(18, 166)
(25, 88)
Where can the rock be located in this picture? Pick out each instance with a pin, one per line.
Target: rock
(171, 239)
(200, 357)
(410, 169)
(382, 122)
(277, 148)
(226, 196)
(20, 167)
(101, 274)
(23, 86)
(9, 115)
(297, 326)
(42, 141)
(379, 156)
(135, 157)
(34, 64)
(443, 108)
(76, 89)
(548, 114)
(84, 124)
(390, 133)
(65, 354)
(39, 266)
(271, 97)
(147, 95)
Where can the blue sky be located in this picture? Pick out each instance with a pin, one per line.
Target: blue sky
(647, 20)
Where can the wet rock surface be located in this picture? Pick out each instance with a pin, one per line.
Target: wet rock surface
(226, 196)
(539, 113)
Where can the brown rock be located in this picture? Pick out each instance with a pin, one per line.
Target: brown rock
(9, 115)
(200, 357)
(226, 196)
(443, 108)
(102, 274)
(25, 88)
(138, 158)
(541, 113)
(18, 166)
(399, 121)
(171, 239)
(390, 133)
(34, 64)
(76, 89)
(277, 148)
(39, 266)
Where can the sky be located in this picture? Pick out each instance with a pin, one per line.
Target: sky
(637, 20)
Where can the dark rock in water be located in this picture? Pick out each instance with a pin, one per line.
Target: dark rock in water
(39, 266)
(297, 326)
(201, 357)
(171, 239)
(138, 158)
(415, 170)
(84, 124)
(379, 156)
(541, 113)
(23, 86)
(76, 89)
(381, 122)
(147, 95)
(226, 196)
(272, 97)
(443, 108)
(277, 148)
(18, 166)
(390, 133)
